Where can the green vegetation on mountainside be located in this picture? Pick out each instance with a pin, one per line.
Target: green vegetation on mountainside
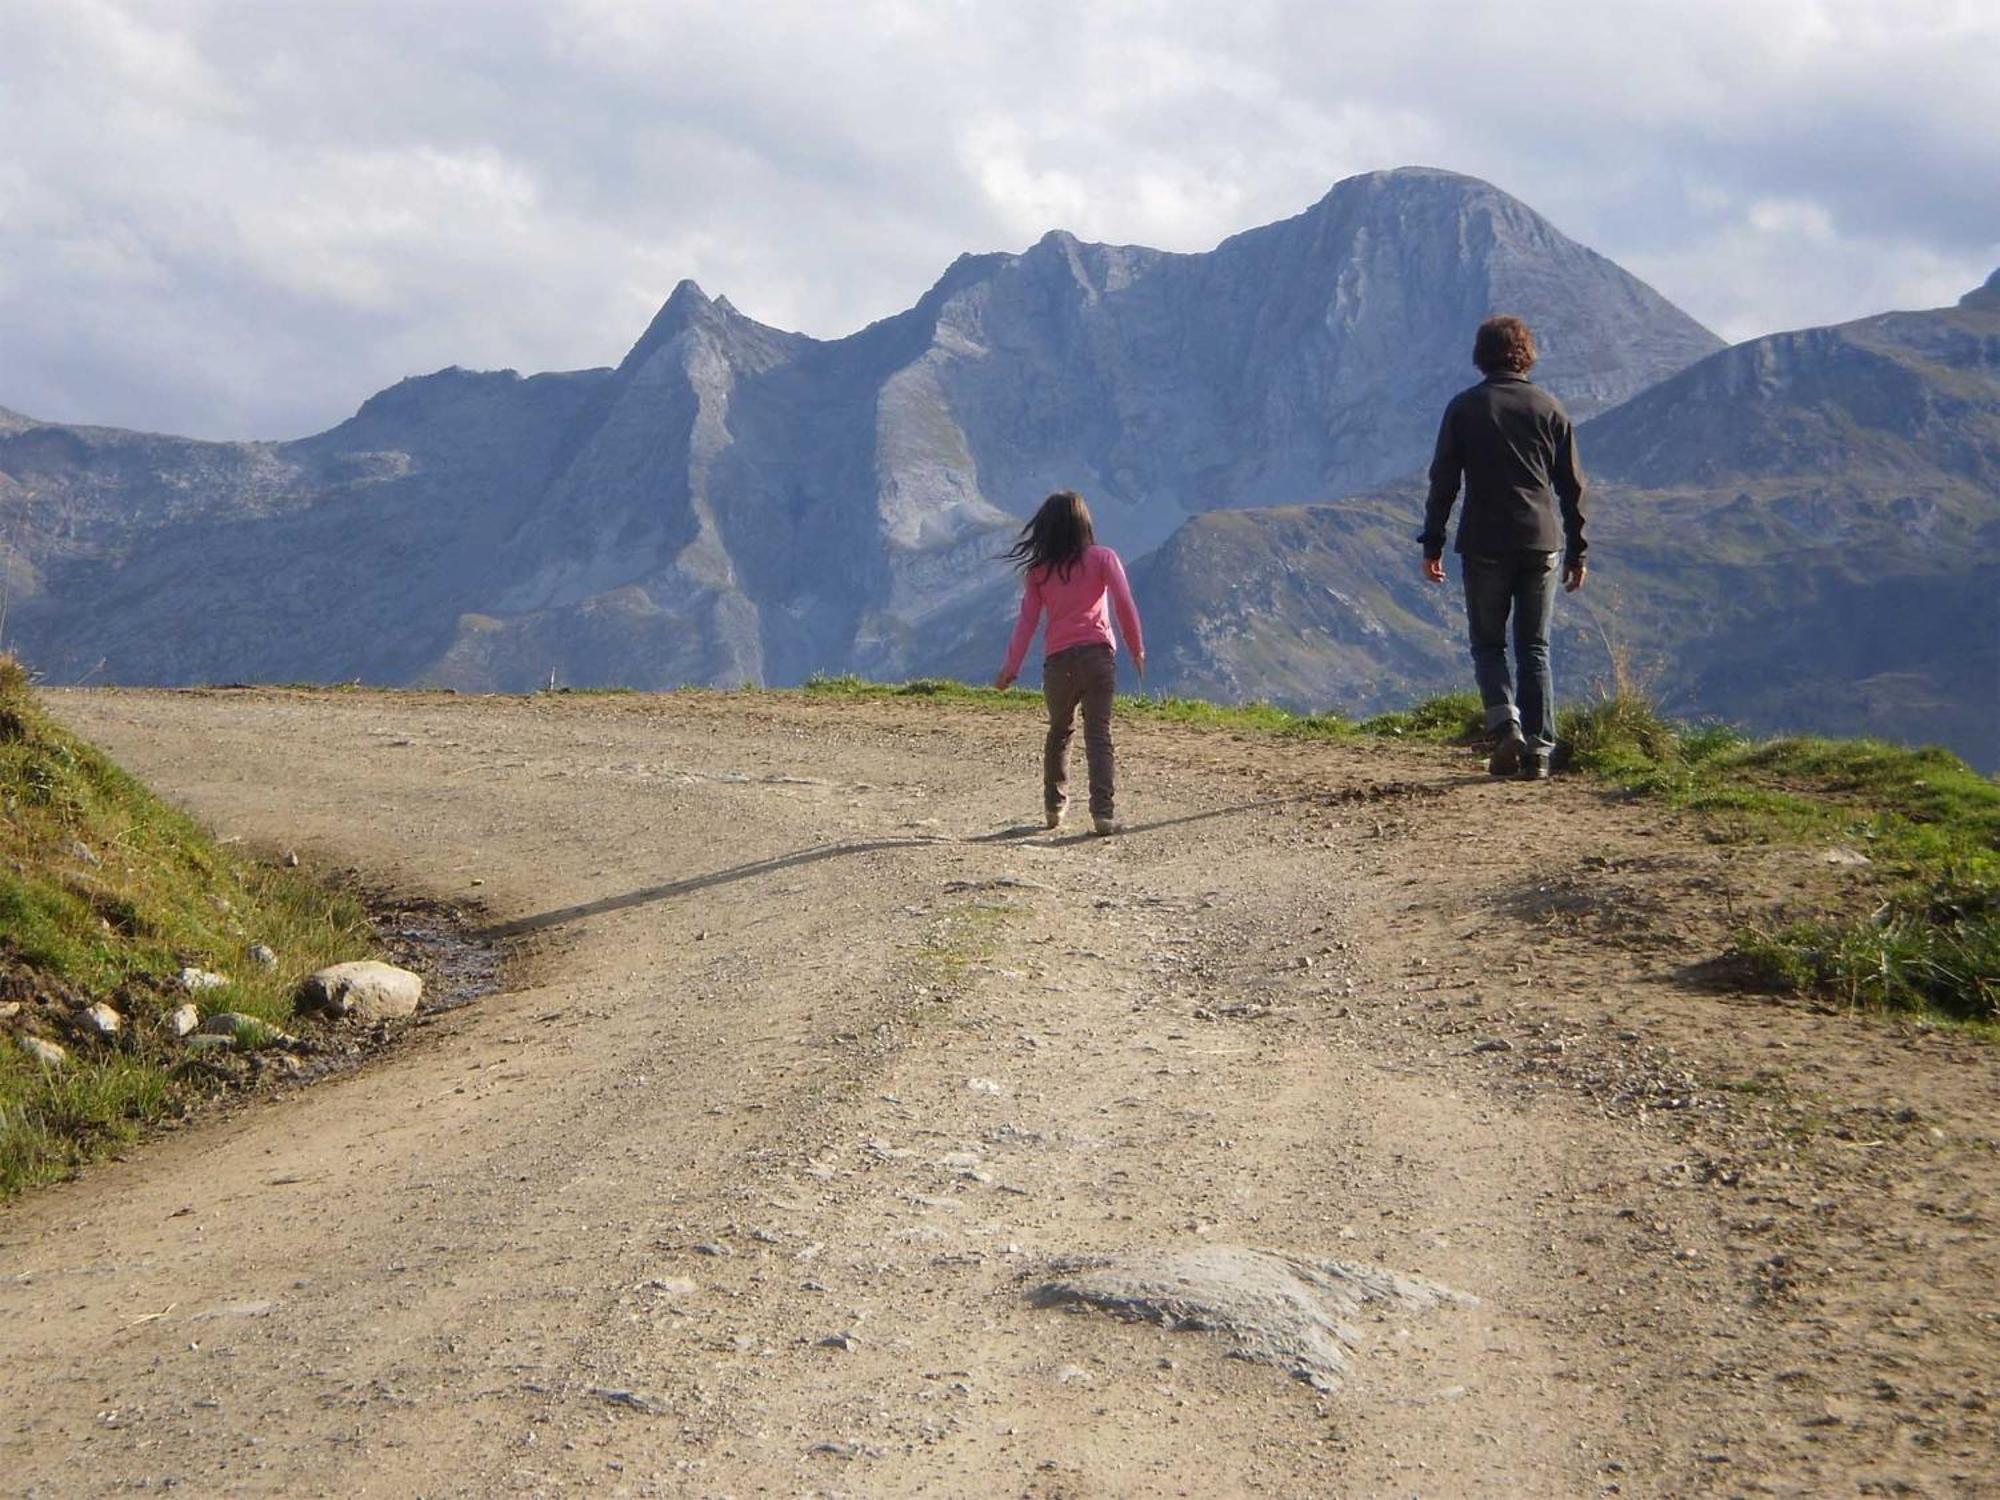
(106, 894)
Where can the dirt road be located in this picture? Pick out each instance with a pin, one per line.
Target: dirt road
(815, 1059)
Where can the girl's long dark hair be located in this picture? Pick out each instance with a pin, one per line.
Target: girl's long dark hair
(1058, 536)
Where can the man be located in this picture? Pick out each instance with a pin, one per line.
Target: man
(1513, 445)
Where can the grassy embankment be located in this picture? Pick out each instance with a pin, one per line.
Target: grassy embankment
(1927, 823)
(106, 894)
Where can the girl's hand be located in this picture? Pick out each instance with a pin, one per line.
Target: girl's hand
(1004, 681)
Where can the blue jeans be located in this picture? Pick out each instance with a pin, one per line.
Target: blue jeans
(1524, 584)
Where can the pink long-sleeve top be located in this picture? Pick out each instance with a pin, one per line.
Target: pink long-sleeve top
(1076, 608)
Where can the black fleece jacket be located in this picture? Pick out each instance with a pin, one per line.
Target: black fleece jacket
(1512, 443)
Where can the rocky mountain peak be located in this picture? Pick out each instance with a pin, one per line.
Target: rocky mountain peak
(689, 307)
(1987, 295)
(1407, 181)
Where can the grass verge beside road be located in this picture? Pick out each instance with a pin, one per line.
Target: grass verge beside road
(106, 895)
(1925, 822)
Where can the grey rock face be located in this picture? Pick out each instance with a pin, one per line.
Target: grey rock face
(736, 503)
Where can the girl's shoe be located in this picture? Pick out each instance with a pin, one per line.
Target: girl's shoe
(1107, 826)
(1053, 817)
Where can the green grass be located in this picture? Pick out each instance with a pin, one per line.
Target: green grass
(1933, 949)
(1244, 718)
(1928, 823)
(105, 895)
(1455, 718)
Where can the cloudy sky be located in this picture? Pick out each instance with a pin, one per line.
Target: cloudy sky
(238, 218)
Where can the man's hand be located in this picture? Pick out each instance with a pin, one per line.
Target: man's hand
(1004, 681)
(1434, 568)
(1573, 574)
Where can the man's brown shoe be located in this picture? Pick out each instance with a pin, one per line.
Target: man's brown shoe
(1506, 758)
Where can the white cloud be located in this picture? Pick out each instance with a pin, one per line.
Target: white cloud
(231, 217)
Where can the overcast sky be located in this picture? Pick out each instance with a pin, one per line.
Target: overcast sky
(238, 218)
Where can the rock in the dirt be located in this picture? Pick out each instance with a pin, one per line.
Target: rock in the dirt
(1280, 1309)
(365, 990)
(248, 1032)
(844, 1449)
(1493, 1044)
(100, 1020)
(194, 981)
(81, 851)
(262, 955)
(636, 1400)
(184, 1019)
(209, 1041)
(48, 1054)
(9, 1009)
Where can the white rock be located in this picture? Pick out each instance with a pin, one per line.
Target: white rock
(101, 1020)
(247, 1031)
(48, 1054)
(365, 990)
(1297, 1312)
(263, 956)
(184, 1019)
(194, 981)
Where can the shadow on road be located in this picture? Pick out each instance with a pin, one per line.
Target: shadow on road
(542, 921)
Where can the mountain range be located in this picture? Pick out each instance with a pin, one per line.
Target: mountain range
(735, 503)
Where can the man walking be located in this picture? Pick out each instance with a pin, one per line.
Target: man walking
(1512, 443)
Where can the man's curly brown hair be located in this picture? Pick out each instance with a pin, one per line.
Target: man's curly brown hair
(1504, 346)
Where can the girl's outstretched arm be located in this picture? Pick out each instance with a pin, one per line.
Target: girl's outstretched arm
(1024, 632)
(1127, 607)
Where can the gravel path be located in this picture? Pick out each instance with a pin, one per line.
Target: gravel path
(816, 1064)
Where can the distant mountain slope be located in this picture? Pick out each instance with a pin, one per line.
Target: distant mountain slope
(1800, 532)
(734, 502)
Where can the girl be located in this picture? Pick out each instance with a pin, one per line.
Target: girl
(1069, 575)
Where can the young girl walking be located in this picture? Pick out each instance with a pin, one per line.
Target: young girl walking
(1068, 575)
